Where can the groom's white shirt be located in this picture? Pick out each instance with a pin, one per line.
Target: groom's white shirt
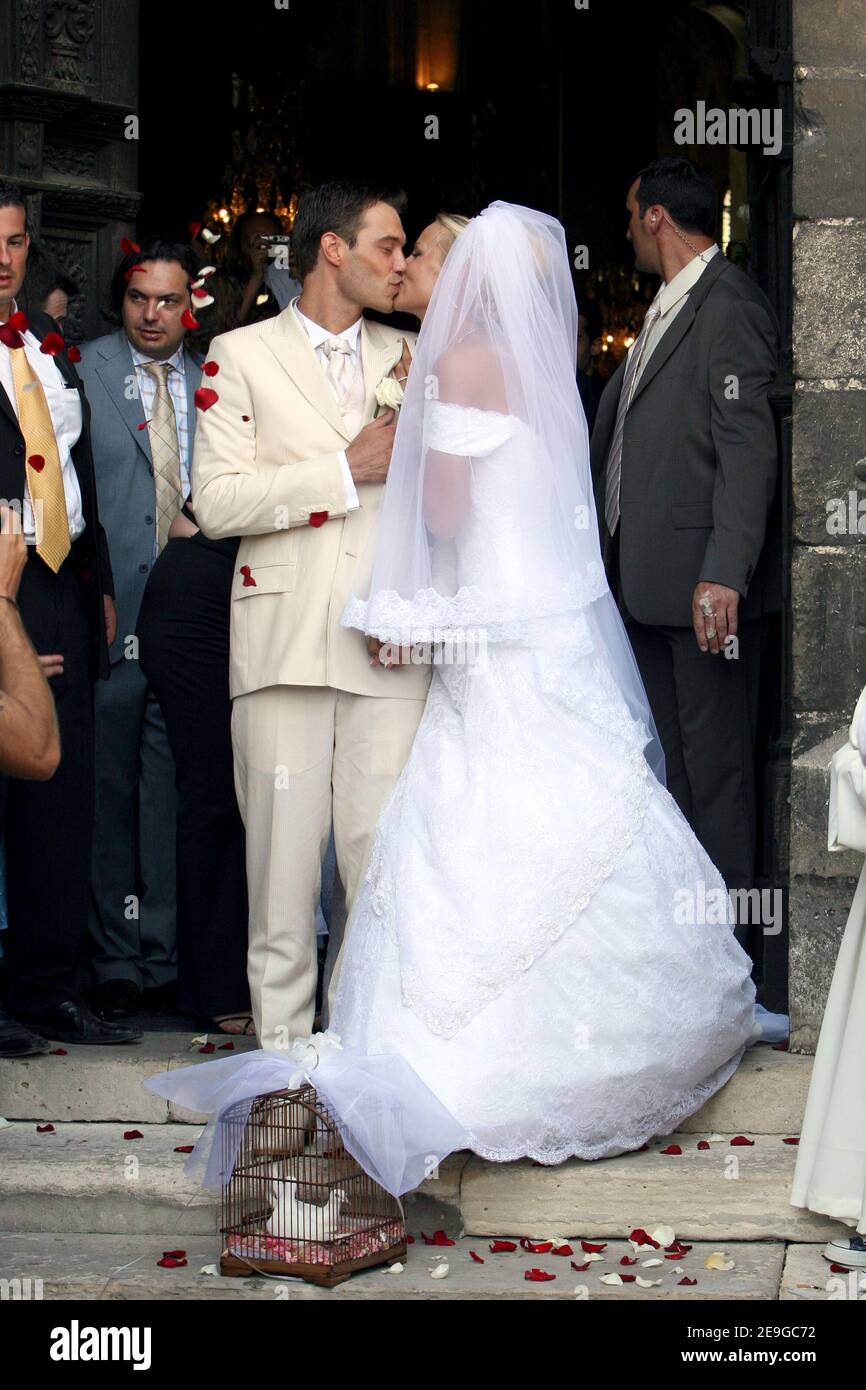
(318, 336)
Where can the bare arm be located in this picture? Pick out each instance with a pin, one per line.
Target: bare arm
(29, 737)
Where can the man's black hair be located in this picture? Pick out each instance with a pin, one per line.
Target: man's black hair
(337, 206)
(154, 249)
(685, 191)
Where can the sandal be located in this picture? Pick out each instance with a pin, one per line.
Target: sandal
(248, 1030)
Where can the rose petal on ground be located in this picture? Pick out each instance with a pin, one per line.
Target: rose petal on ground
(537, 1276)
(640, 1237)
(184, 1148)
(672, 1149)
(740, 1140)
(610, 1279)
(840, 1269)
(626, 1261)
(648, 1264)
(498, 1247)
(718, 1260)
(167, 1262)
(208, 1047)
(395, 1268)
(227, 1047)
(441, 1271)
(716, 1138)
(591, 1258)
(792, 1139)
(477, 1258)
(688, 1281)
(703, 1144)
(537, 1247)
(562, 1250)
(44, 1129)
(647, 1283)
(58, 1052)
(437, 1238)
(592, 1249)
(133, 1134)
(580, 1268)
(665, 1235)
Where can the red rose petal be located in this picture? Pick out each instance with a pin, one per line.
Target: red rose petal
(51, 344)
(678, 1248)
(539, 1247)
(781, 1047)
(58, 1052)
(189, 320)
(228, 1046)
(740, 1140)
(127, 246)
(672, 1149)
(477, 1258)
(143, 426)
(685, 1280)
(626, 1261)
(498, 1247)
(205, 397)
(133, 1134)
(794, 1139)
(174, 1254)
(437, 1238)
(642, 1150)
(208, 1047)
(10, 337)
(245, 418)
(640, 1237)
(249, 582)
(628, 1278)
(167, 1262)
(36, 461)
(318, 518)
(562, 1250)
(194, 228)
(210, 368)
(537, 1276)
(580, 1268)
(73, 354)
(133, 269)
(840, 1269)
(19, 321)
(703, 1144)
(677, 1255)
(410, 1240)
(591, 1249)
(200, 293)
(44, 1129)
(184, 1148)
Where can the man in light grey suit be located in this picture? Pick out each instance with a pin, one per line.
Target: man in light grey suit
(141, 384)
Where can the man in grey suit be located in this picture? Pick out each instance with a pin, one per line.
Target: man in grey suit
(685, 465)
(141, 383)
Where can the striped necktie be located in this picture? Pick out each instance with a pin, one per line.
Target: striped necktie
(41, 463)
(164, 447)
(614, 456)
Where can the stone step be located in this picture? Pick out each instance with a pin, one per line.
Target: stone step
(721, 1193)
(87, 1178)
(766, 1095)
(124, 1267)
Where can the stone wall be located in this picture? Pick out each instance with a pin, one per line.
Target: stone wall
(828, 578)
(68, 82)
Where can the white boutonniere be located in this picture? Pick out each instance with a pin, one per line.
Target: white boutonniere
(389, 394)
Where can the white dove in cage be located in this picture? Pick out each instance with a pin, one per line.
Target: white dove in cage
(294, 1220)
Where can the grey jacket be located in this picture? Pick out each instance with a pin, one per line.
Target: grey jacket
(700, 457)
(124, 468)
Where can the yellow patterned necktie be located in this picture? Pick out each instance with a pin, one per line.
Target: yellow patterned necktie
(41, 463)
(164, 447)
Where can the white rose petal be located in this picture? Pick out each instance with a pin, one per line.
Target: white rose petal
(5, 1124)
(665, 1235)
(209, 1269)
(638, 1248)
(648, 1264)
(440, 1272)
(609, 1279)
(715, 1138)
(198, 303)
(210, 237)
(394, 1269)
(718, 1260)
(198, 1042)
(590, 1256)
(647, 1283)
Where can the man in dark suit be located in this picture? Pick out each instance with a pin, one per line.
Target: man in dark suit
(685, 465)
(140, 383)
(66, 603)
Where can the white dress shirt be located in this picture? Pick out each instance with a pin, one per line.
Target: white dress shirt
(670, 299)
(318, 336)
(64, 407)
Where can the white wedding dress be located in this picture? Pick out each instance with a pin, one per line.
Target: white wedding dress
(520, 938)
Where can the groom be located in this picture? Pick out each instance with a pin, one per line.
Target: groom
(289, 457)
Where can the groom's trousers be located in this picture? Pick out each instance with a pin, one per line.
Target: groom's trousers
(306, 756)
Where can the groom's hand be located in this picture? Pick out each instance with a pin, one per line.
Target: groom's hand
(369, 454)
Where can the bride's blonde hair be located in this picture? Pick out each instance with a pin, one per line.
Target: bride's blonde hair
(451, 225)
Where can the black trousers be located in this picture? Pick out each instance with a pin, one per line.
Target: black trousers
(183, 631)
(48, 826)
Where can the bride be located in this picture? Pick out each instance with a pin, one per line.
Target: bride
(532, 934)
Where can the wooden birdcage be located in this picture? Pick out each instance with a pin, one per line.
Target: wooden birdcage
(296, 1202)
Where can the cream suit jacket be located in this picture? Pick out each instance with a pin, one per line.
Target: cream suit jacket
(265, 463)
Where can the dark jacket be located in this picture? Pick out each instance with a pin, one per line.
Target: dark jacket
(700, 457)
(89, 556)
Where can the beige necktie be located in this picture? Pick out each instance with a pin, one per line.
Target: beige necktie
(614, 455)
(347, 382)
(41, 463)
(162, 429)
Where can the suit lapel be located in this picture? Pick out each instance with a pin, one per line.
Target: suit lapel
(7, 407)
(671, 340)
(115, 372)
(192, 375)
(286, 338)
(379, 354)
